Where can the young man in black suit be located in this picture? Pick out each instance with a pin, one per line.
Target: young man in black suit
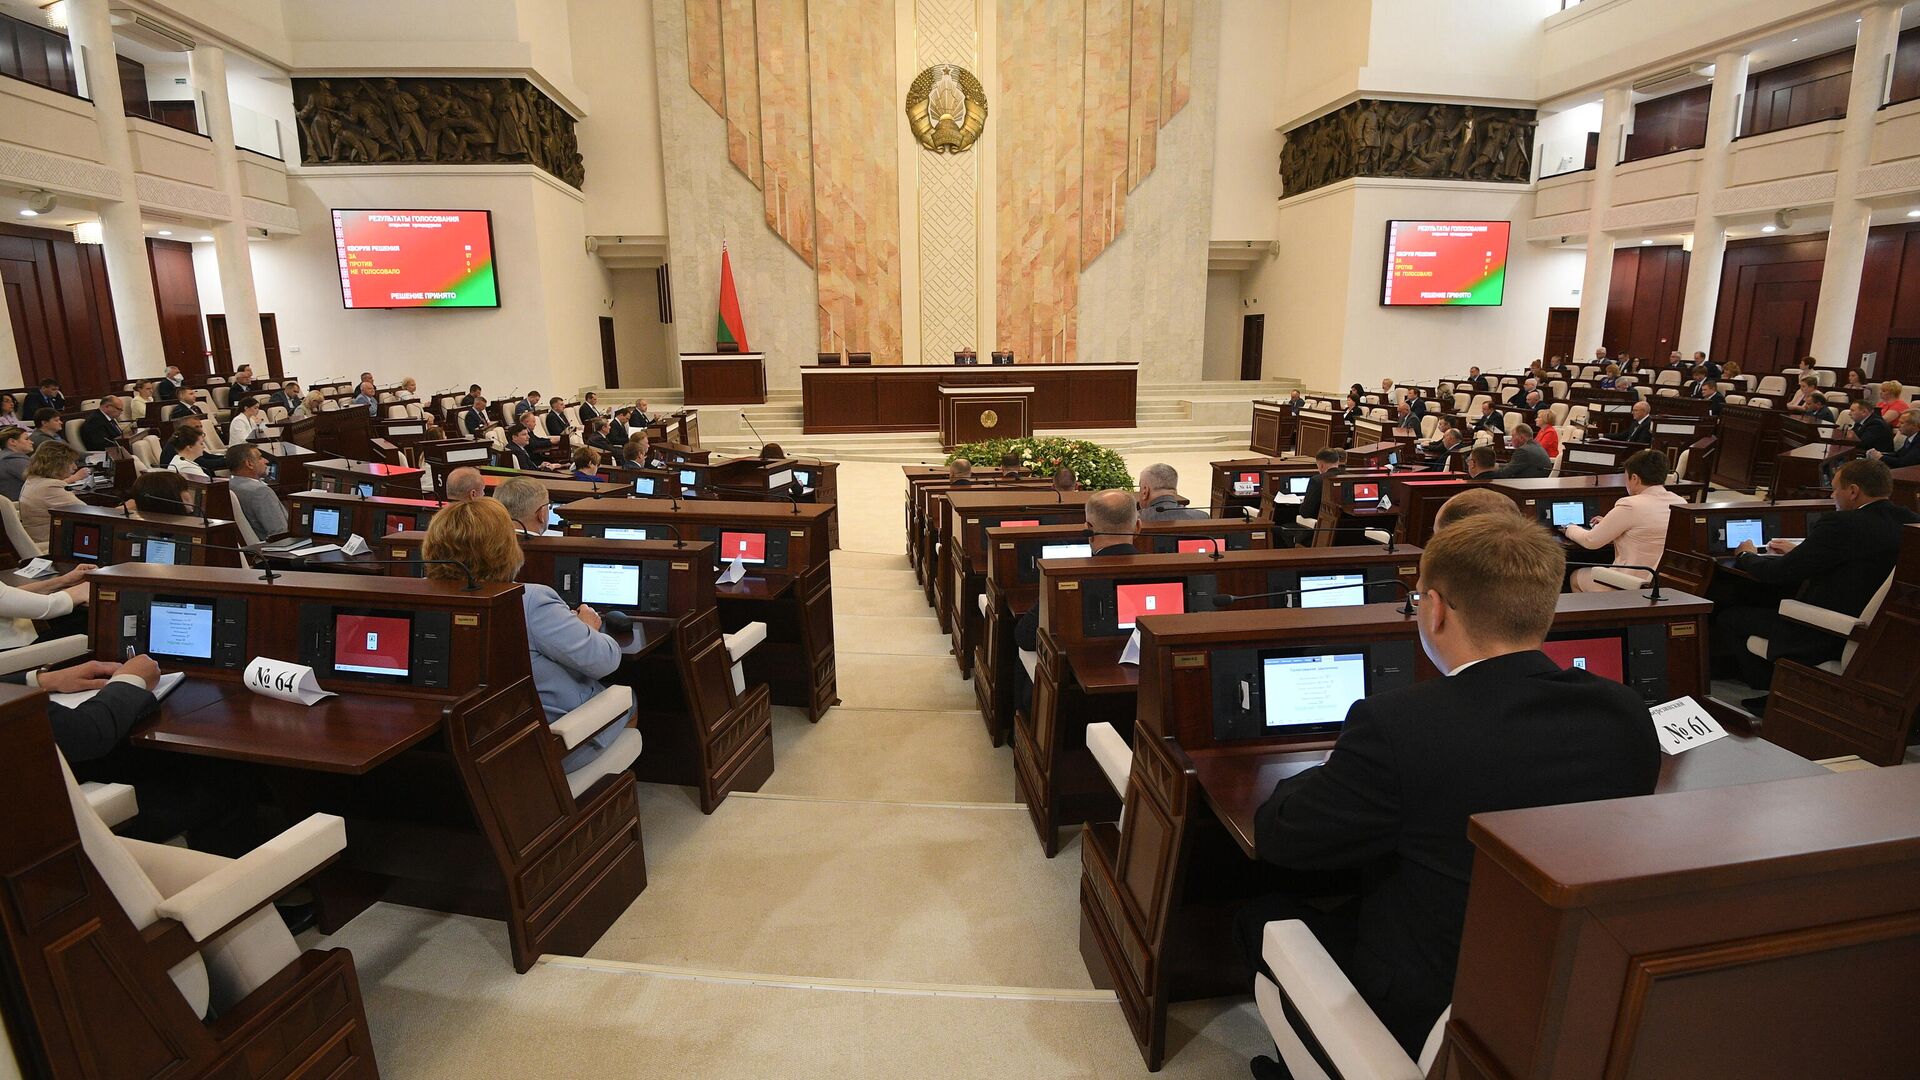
(1381, 828)
(1706, 391)
(1328, 461)
(1908, 451)
(590, 407)
(46, 396)
(1844, 560)
(1870, 428)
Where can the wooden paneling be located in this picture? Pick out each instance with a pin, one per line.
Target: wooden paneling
(1665, 125)
(1906, 68)
(178, 299)
(1643, 301)
(1769, 289)
(37, 55)
(1795, 94)
(1889, 294)
(907, 399)
(61, 310)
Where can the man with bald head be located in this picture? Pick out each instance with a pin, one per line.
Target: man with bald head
(1113, 519)
(465, 485)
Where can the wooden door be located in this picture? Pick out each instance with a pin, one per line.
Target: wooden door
(219, 344)
(1253, 340)
(1901, 361)
(1782, 325)
(609, 356)
(61, 312)
(178, 299)
(1562, 322)
(270, 339)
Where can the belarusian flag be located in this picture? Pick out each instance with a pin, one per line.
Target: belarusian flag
(732, 330)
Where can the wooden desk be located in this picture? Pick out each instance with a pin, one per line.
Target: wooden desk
(906, 398)
(1749, 443)
(1274, 425)
(108, 536)
(1318, 429)
(368, 477)
(724, 378)
(970, 414)
(1696, 536)
(1801, 473)
(349, 735)
(1906, 487)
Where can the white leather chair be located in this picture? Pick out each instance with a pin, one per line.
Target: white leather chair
(1353, 1038)
(1756, 402)
(1460, 400)
(70, 431)
(739, 644)
(1429, 423)
(1823, 378)
(1836, 623)
(43, 654)
(606, 707)
(224, 904)
(146, 451)
(1771, 385)
(1113, 754)
(1736, 399)
(17, 537)
(1668, 391)
(1667, 377)
(1473, 407)
(276, 414)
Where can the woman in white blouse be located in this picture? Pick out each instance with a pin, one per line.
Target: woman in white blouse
(1637, 524)
(246, 419)
(189, 444)
(45, 600)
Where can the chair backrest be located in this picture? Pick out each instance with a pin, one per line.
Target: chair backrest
(1559, 409)
(1669, 391)
(1866, 616)
(18, 538)
(1667, 377)
(1473, 407)
(146, 451)
(248, 537)
(1771, 384)
(276, 414)
(1736, 399)
(71, 432)
(1460, 400)
(859, 359)
(221, 396)
(828, 359)
(1428, 424)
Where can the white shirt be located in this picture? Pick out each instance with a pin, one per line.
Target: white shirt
(240, 429)
(184, 467)
(1636, 527)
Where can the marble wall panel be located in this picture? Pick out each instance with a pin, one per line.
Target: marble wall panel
(856, 175)
(1176, 59)
(786, 122)
(1041, 56)
(741, 69)
(946, 188)
(1143, 115)
(703, 53)
(1109, 50)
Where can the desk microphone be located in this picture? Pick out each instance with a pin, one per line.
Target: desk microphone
(1223, 600)
(750, 427)
(770, 493)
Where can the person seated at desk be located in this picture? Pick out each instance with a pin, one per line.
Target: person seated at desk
(1113, 520)
(1327, 463)
(1405, 419)
(465, 484)
(1011, 465)
(537, 444)
(1160, 496)
(141, 401)
(590, 407)
(368, 396)
(53, 466)
(55, 601)
(1480, 383)
(161, 492)
(639, 450)
(1641, 430)
(1706, 390)
(243, 380)
(191, 403)
(168, 388)
(286, 396)
(568, 651)
(1384, 821)
(1472, 503)
(1528, 461)
(640, 417)
(46, 428)
(1490, 421)
(1294, 403)
(586, 465)
(960, 472)
(557, 423)
(528, 504)
(311, 405)
(527, 404)
(472, 395)
(1891, 404)
(16, 449)
(251, 495)
(1870, 430)
(596, 437)
(1806, 397)
(618, 433)
(474, 417)
(10, 413)
(1355, 411)
(247, 419)
(1844, 560)
(46, 396)
(1637, 524)
(1522, 398)
(1856, 385)
(1609, 378)
(1064, 481)
(189, 445)
(1905, 452)
(518, 449)
(1435, 452)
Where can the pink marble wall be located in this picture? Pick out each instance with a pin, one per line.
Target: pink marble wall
(703, 53)
(856, 175)
(1143, 114)
(1176, 59)
(1109, 46)
(742, 70)
(1038, 176)
(786, 122)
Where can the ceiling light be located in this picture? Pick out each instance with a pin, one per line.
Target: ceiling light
(1793, 39)
(166, 232)
(29, 212)
(88, 232)
(1644, 243)
(1913, 213)
(57, 14)
(206, 239)
(1769, 228)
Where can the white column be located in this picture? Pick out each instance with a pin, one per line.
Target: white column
(208, 68)
(1847, 237)
(1593, 288)
(129, 277)
(1709, 232)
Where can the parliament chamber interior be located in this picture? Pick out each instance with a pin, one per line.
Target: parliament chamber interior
(1340, 541)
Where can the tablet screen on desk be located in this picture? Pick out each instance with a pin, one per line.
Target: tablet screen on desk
(326, 521)
(85, 542)
(1315, 690)
(1297, 485)
(180, 629)
(372, 644)
(614, 585)
(1148, 598)
(1247, 484)
(1338, 590)
(1205, 545)
(616, 532)
(161, 552)
(1568, 512)
(803, 478)
(643, 485)
(365, 490)
(1023, 523)
(397, 522)
(1746, 530)
(1602, 655)
(1066, 551)
(748, 547)
(689, 478)
(1366, 493)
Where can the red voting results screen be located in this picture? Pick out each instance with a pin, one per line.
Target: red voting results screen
(1599, 655)
(748, 547)
(372, 644)
(1445, 264)
(1366, 492)
(1202, 546)
(415, 258)
(86, 542)
(1133, 601)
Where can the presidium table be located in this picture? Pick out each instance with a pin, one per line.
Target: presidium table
(889, 397)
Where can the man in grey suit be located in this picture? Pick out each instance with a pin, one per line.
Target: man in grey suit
(1160, 496)
(1529, 461)
(251, 494)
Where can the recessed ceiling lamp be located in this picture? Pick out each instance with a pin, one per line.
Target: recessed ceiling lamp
(1644, 243)
(166, 232)
(56, 13)
(1913, 213)
(88, 232)
(206, 239)
(1769, 228)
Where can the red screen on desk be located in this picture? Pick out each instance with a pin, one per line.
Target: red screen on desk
(1203, 546)
(748, 547)
(1366, 493)
(1599, 655)
(400, 522)
(1023, 524)
(372, 644)
(1159, 598)
(1247, 484)
(86, 542)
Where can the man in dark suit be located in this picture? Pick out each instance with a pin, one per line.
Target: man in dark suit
(474, 417)
(101, 429)
(1906, 452)
(617, 431)
(1113, 519)
(188, 404)
(1706, 391)
(1416, 406)
(1519, 398)
(1434, 454)
(47, 396)
(168, 388)
(1328, 461)
(1490, 421)
(1527, 462)
(1641, 430)
(1384, 821)
(557, 423)
(1480, 383)
(1870, 429)
(1295, 403)
(590, 407)
(1844, 560)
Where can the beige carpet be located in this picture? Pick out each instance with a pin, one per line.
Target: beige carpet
(880, 909)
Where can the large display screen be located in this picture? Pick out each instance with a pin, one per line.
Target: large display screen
(415, 258)
(1445, 264)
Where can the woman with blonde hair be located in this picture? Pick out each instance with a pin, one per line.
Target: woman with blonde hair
(309, 407)
(569, 652)
(53, 466)
(1891, 403)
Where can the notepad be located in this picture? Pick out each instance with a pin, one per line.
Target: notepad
(81, 697)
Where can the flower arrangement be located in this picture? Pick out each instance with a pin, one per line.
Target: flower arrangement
(1095, 466)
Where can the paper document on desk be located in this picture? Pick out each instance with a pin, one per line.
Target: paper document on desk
(355, 545)
(81, 697)
(1683, 724)
(310, 549)
(288, 682)
(1289, 500)
(38, 568)
(735, 571)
